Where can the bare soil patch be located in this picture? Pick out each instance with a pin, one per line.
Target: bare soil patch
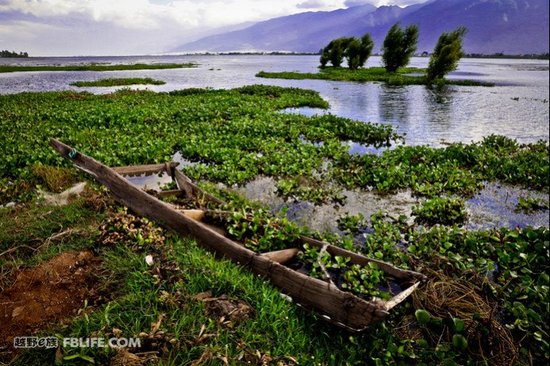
(42, 295)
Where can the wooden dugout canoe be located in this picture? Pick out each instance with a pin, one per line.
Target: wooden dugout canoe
(338, 307)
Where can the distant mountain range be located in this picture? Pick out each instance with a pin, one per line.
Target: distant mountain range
(494, 26)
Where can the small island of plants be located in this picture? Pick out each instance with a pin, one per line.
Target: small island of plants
(118, 82)
(93, 67)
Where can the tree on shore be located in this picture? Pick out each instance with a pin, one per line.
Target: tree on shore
(367, 46)
(399, 46)
(334, 52)
(356, 51)
(6, 53)
(448, 51)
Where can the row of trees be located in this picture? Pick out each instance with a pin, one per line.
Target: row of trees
(6, 53)
(356, 51)
(398, 48)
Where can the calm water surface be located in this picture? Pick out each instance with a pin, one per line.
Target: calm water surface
(517, 107)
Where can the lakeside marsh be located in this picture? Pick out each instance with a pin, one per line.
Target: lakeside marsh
(234, 136)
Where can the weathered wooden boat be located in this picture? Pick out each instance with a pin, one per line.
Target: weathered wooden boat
(339, 307)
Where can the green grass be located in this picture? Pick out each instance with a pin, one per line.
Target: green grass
(30, 226)
(371, 74)
(119, 82)
(93, 67)
(33, 232)
(277, 328)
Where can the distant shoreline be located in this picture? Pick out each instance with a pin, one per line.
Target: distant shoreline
(545, 56)
(93, 67)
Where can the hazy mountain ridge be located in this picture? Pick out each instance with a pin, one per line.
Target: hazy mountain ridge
(507, 26)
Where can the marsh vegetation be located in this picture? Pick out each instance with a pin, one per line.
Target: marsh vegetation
(118, 82)
(402, 76)
(92, 67)
(484, 301)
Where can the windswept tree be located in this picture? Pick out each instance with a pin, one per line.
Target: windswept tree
(352, 53)
(448, 51)
(356, 51)
(399, 46)
(334, 52)
(366, 49)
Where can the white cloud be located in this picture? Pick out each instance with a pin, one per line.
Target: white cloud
(401, 3)
(351, 3)
(311, 4)
(147, 14)
(133, 26)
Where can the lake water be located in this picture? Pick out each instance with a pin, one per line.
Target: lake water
(517, 107)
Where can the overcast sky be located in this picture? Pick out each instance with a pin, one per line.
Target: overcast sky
(123, 27)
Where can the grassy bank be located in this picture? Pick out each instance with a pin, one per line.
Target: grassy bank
(93, 67)
(118, 82)
(404, 76)
(164, 304)
(233, 136)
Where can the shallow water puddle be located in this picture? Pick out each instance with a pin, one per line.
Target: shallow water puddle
(152, 181)
(495, 206)
(156, 181)
(323, 217)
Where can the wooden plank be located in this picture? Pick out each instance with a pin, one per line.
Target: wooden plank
(146, 169)
(173, 192)
(197, 215)
(341, 307)
(192, 190)
(282, 256)
(399, 298)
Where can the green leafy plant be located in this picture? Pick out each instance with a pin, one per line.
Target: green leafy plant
(441, 210)
(262, 232)
(531, 204)
(351, 223)
(362, 280)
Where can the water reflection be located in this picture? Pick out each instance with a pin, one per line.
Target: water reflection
(438, 117)
(393, 102)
